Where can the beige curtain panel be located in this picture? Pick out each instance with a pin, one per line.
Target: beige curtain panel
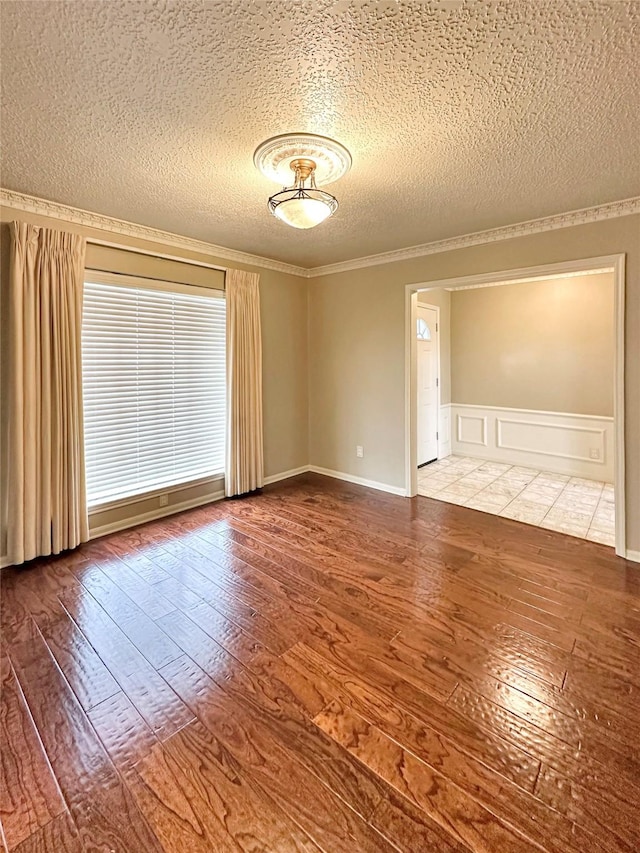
(47, 511)
(244, 454)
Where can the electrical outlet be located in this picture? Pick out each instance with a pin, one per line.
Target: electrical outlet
(594, 453)
(163, 500)
(359, 451)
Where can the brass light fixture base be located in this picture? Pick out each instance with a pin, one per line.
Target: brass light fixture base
(302, 168)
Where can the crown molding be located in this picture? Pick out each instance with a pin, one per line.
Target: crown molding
(612, 210)
(55, 210)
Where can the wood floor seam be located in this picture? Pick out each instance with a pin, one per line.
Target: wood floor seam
(322, 668)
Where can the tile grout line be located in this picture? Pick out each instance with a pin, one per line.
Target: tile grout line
(465, 501)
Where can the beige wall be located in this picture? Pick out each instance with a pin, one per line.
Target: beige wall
(544, 345)
(284, 330)
(354, 388)
(442, 298)
(357, 341)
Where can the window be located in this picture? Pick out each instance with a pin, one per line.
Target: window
(423, 330)
(153, 383)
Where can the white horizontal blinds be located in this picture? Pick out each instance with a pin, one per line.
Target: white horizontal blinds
(154, 387)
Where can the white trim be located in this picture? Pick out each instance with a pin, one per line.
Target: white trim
(284, 475)
(142, 518)
(359, 481)
(605, 263)
(88, 219)
(612, 210)
(577, 274)
(152, 515)
(532, 411)
(105, 529)
(444, 429)
(633, 556)
(410, 393)
(161, 512)
(615, 263)
(178, 487)
(619, 472)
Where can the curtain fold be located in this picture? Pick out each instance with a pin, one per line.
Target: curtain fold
(47, 511)
(244, 451)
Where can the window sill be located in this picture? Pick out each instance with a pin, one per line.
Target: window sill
(95, 509)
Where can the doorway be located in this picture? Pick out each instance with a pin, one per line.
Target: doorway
(478, 429)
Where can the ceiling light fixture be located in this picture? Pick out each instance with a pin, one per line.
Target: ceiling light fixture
(311, 158)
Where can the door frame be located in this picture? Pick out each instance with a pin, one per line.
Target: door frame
(435, 308)
(605, 263)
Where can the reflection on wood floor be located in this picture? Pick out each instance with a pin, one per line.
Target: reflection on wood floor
(323, 667)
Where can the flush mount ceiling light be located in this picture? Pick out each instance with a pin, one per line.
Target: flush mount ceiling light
(312, 159)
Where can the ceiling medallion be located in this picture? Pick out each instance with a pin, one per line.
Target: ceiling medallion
(312, 159)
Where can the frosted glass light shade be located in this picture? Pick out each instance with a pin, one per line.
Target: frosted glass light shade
(302, 207)
(303, 212)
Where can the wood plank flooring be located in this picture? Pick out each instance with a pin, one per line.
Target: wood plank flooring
(323, 667)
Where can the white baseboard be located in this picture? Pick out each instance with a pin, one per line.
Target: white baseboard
(358, 481)
(165, 511)
(153, 515)
(161, 512)
(284, 475)
(552, 441)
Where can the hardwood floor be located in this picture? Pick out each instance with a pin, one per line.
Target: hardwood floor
(323, 667)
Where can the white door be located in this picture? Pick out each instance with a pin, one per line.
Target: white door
(427, 355)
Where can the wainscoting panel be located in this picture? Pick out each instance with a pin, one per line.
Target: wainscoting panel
(578, 445)
(471, 429)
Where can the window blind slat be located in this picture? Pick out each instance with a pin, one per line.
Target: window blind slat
(154, 385)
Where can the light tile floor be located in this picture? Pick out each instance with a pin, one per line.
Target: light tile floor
(571, 505)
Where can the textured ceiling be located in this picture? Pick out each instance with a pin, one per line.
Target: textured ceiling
(460, 116)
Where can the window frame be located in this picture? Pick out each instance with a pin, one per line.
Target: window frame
(420, 336)
(92, 276)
